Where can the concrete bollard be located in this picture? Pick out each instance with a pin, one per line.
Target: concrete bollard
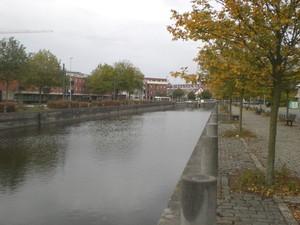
(213, 117)
(198, 200)
(212, 129)
(209, 155)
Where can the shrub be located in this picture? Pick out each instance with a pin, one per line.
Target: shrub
(84, 104)
(74, 104)
(254, 181)
(61, 104)
(236, 133)
(106, 103)
(9, 105)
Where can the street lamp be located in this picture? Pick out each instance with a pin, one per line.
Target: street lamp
(70, 79)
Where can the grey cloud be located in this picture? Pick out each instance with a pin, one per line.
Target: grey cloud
(92, 36)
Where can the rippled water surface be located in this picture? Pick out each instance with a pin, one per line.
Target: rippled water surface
(109, 172)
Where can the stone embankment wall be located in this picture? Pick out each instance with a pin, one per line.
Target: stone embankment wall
(23, 119)
(204, 161)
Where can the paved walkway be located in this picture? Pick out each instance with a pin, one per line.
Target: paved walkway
(241, 208)
(287, 145)
(236, 208)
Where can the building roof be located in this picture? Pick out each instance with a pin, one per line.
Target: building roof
(155, 78)
(76, 74)
(152, 80)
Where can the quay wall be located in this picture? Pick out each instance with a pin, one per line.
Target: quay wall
(195, 166)
(24, 119)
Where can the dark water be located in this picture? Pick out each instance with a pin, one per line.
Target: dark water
(109, 172)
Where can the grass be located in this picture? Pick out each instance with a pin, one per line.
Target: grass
(236, 133)
(253, 181)
(32, 108)
(230, 122)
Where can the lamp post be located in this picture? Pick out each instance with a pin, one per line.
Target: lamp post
(70, 88)
(70, 79)
(64, 82)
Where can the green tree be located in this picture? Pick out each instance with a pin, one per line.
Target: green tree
(123, 76)
(13, 59)
(43, 72)
(205, 94)
(268, 30)
(191, 95)
(101, 80)
(129, 78)
(178, 93)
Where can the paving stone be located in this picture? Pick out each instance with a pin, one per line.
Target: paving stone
(236, 208)
(249, 209)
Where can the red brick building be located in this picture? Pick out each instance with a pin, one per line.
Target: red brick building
(13, 87)
(75, 81)
(155, 87)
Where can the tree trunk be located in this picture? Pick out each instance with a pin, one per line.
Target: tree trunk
(230, 108)
(6, 96)
(276, 92)
(241, 113)
(6, 90)
(40, 96)
(117, 94)
(287, 104)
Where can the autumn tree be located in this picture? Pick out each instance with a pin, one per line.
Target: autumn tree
(269, 30)
(230, 70)
(43, 72)
(183, 73)
(13, 59)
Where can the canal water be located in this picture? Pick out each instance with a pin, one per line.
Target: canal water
(108, 172)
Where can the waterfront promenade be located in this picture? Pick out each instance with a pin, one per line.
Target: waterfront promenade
(236, 154)
(287, 145)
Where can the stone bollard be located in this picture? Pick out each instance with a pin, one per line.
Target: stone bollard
(212, 129)
(198, 200)
(213, 117)
(209, 155)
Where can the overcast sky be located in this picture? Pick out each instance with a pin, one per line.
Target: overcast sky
(102, 31)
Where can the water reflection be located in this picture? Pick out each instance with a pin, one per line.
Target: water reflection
(27, 152)
(109, 172)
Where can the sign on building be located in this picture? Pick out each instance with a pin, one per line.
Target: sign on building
(293, 105)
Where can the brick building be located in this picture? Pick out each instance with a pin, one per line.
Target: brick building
(75, 81)
(13, 87)
(155, 87)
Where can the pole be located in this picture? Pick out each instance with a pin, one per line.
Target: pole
(64, 82)
(198, 200)
(70, 80)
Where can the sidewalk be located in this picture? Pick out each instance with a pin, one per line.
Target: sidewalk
(241, 208)
(287, 145)
(236, 154)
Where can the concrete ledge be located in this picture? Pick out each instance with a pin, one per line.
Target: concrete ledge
(171, 215)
